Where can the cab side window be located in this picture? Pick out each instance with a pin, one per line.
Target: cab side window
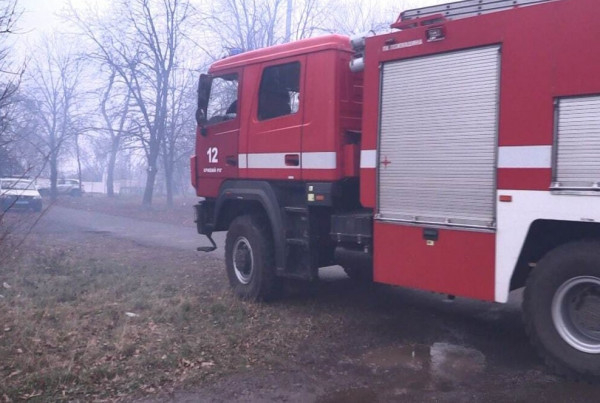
(279, 93)
(222, 102)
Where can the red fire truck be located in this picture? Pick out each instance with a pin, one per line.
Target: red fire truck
(458, 154)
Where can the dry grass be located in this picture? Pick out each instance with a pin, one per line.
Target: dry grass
(65, 333)
(130, 206)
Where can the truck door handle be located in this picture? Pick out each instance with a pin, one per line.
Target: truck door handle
(231, 160)
(292, 160)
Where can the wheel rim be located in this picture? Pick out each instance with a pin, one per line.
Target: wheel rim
(576, 313)
(243, 260)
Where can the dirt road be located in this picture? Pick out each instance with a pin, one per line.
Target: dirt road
(357, 343)
(144, 232)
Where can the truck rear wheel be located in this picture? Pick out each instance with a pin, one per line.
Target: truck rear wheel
(561, 308)
(249, 258)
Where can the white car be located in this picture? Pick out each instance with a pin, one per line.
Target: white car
(70, 187)
(19, 193)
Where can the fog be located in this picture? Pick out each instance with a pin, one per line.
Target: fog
(82, 79)
(109, 293)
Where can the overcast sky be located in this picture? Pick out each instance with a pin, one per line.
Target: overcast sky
(41, 15)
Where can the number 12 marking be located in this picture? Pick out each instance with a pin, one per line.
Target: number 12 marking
(213, 153)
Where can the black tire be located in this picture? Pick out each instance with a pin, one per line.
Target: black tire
(360, 275)
(75, 193)
(562, 289)
(249, 258)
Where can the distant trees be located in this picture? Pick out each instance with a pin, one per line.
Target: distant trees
(115, 105)
(10, 77)
(354, 18)
(141, 42)
(247, 25)
(124, 93)
(10, 74)
(51, 100)
(178, 143)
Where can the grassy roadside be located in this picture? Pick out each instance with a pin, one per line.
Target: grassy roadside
(130, 206)
(79, 322)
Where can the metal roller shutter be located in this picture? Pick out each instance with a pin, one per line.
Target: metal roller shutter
(438, 130)
(578, 143)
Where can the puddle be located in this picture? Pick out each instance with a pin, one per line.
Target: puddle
(442, 361)
(454, 362)
(411, 357)
(353, 395)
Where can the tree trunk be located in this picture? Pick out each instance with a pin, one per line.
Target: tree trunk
(110, 171)
(110, 179)
(149, 188)
(169, 183)
(151, 177)
(78, 162)
(53, 175)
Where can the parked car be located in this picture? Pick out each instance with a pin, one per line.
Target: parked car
(70, 187)
(19, 193)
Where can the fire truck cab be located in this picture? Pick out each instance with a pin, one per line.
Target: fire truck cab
(458, 154)
(274, 124)
(281, 113)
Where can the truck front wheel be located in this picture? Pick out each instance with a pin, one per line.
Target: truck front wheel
(359, 274)
(561, 308)
(249, 258)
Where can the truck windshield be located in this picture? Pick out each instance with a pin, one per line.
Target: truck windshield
(222, 102)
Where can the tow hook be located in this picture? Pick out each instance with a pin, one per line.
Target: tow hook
(208, 248)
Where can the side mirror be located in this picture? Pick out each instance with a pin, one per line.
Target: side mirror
(200, 116)
(204, 85)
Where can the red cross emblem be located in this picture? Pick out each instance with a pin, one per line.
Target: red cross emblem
(386, 162)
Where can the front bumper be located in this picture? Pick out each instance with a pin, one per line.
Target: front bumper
(20, 202)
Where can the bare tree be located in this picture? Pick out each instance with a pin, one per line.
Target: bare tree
(10, 78)
(351, 18)
(53, 93)
(246, 25)
(355, 18)
(240, 25)
(9, 74)
(310, 17)
(140, 41)
(180, 134)
(115, 116)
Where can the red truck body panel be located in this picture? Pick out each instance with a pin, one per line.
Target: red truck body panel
(468, 272)
(547, 51)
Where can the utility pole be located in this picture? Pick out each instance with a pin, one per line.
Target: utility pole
(288, 21)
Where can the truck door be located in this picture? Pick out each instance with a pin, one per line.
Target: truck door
(219, 126)
(274, 141)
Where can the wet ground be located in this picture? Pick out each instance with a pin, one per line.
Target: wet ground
(384, 343)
